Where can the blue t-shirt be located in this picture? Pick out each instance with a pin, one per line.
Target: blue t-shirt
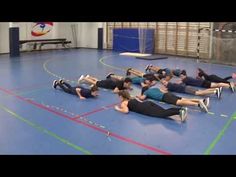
(193, 82)
(173, 87)
(137, 80)
(154, 93)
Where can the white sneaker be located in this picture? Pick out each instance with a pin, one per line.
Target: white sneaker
(183, 114)
(203, 106)
(54, 84)
(147, 68)
(206, 101)
(81, 78)
(87, 76)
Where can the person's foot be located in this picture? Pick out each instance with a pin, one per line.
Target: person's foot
(221, 89)
(147, 67)
(217, 92)
(81, 78)
(183, 114)
(61, 81)
(231, 85)
(206, 101)
(109, 75)
(234, 75)
(54, 84)
(203, 106)
(127, 71)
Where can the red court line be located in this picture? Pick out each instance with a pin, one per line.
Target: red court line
(94, 111)
(128, 140)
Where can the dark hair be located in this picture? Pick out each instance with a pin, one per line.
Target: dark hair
(183, 72)
(127, 79)
(94, 88)
(201, 72)
(144, 89)
(125, 94)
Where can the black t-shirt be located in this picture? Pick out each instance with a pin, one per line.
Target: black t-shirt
(120, 85)
(85, 92)
(137, 106)
(180, 88)
(110, 84)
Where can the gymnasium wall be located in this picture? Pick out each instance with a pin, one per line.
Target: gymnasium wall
(82, 34)
(224, 43)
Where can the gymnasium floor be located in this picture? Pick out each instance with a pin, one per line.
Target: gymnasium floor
(37, 119)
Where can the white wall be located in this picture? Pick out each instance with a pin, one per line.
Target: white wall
(4, 37)
(87, 34)
(82, 34)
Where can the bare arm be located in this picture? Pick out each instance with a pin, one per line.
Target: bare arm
(179, 82)
(78, 90)
(116, 90)
(141, 97)
(123, 108)
(163, 90)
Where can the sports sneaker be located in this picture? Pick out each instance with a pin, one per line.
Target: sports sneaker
(231, 85)
(54, 84)
(217, 92)
(203, 106)
(206, 101)
(183, 114)
(81, 78)
(147, 68)
(61, 81)
(109, 75)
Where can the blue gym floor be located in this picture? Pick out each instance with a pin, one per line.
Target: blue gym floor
(37, 119)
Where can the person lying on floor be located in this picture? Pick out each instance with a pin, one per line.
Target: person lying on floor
(116, 86)
(214, 78)
(203, 83)
(80, 91)
(167, 97)
(182, 88)
(148, 108)
(142, 81)
(166, 73)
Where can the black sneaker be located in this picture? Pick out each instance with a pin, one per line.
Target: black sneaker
(109, 75)
(231, 85)
(127, 72)
(218, 93)
(54, 84)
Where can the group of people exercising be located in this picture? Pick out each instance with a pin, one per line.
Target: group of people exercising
(212, 84)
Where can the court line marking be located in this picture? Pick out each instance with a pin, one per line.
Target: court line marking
(44, 130)
(101, 60)
(220, 135)
(125, 139)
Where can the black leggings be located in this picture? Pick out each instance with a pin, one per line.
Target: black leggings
(157, 111)
(67, 88)
(215, 78)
